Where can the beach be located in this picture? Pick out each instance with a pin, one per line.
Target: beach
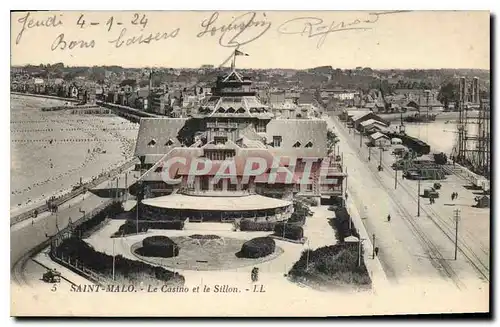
(52, 151)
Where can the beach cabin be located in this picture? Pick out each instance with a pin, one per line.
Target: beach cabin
(379, 140)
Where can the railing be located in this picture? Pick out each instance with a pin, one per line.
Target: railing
(192, 191)
(71, 195)
(67, 232)
(222, 124)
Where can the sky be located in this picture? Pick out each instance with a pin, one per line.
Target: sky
(272, 39)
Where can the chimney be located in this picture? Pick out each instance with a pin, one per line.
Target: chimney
(462, 92)
(475, 90)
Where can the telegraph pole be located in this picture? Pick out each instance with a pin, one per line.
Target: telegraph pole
(307, 255)
(116, 190)
(126, 187)
(360, 139)
(113, 259)
(380, 162)
(418, 198)
(395, 178)
(457, 218)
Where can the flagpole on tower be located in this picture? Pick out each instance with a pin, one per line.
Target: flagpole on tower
(233, 63)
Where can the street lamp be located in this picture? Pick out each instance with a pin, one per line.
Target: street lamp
(360, 243)
(418, 198)
(373, 251)
(307, 254)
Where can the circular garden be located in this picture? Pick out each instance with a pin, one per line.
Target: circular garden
(205, 252)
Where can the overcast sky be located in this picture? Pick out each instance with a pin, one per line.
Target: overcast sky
(282, 39)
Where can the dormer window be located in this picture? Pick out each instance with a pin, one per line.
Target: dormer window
(297, 144)
(309, 144)
(220, 140)
(277, 141)
(169, 143)
(152, 143)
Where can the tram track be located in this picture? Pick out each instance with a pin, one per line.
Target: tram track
(435, 256)
(448, 231)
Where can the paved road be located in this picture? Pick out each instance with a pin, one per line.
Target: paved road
(28, 234)
(409, 246)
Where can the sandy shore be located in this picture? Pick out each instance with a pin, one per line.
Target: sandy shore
(51, 151)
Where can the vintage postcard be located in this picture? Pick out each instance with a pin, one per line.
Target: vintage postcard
(240, 163)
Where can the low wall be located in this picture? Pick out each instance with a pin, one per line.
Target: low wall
(73, 194)
(45, 96)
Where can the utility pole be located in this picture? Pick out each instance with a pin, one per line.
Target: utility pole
(126, 187)
(369, 153)
(137, 209)
(113, 259)
(395, 178)
(380, 162)
(360, 139)
(457, 218)
(373, 250)
(307, 254)
(346, 179)
(418, 198)
(116, 189)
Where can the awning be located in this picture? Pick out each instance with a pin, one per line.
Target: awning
(216, 203)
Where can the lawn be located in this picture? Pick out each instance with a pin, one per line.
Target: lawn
(206, 254)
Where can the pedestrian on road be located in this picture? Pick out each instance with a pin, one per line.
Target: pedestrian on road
(376, 251)
(456, 195)
(389, 218)
(453, 196)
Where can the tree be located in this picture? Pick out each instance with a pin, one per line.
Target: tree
(447, 94)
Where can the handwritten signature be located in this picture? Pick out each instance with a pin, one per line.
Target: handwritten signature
(315, 26)
(241, 30)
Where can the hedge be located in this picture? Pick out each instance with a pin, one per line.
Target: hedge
(258, 247)
(130, 226)
(341, 224)
(110, 211)
(77, 249)
(337, 264)
(249, 225)
(174, 224)
(289, 231)
(159, 246)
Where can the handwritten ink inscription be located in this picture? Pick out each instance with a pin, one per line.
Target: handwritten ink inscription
(315, 27)
(243, 29)
(28, 23)
(240, 30)
(124, 40)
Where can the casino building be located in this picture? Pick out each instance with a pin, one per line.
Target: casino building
(230, 129)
